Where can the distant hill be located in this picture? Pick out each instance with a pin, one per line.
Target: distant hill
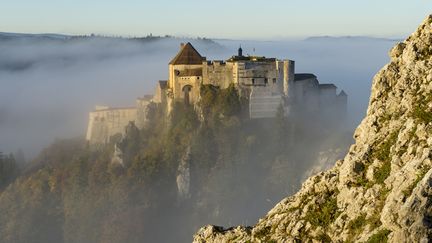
(24, 51)
(350, 38)
(54, 36)
(11, 36)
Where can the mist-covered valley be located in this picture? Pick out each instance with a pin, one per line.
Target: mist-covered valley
(239, 168)
(50, 83)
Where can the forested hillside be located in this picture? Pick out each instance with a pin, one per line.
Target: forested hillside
(73, 192)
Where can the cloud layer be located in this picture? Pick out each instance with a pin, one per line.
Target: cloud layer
(50, 84)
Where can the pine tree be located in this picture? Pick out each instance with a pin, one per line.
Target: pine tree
(8, 170)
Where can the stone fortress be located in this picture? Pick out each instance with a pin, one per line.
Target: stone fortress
(268, 83)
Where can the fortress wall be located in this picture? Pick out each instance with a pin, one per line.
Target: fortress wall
(311, 100)
(235, 73)
(158, 96)
(105, 123)
(328, 98)
(263, 103)
(273, 78)
(298, 89)
(218, 73)
(329, 101)
(327, 95)
(258, 73)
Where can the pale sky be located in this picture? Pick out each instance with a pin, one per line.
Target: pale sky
(252, 19)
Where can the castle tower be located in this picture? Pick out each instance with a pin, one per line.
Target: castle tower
(288, 77)
(185, 74)
(240, 51)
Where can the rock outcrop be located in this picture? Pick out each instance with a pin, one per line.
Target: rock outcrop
(183, 176)
(382, 189)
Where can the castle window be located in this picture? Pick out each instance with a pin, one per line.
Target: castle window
(274, 80)
(266, 80)
(253, 81)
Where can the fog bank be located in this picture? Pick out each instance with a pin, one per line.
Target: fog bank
(50, 84)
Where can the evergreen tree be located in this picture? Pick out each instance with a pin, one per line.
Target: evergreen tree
(8, 170)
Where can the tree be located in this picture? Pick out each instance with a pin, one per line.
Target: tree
(230, 101)
(8, 170)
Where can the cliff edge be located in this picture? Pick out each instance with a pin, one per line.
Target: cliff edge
(382, 189)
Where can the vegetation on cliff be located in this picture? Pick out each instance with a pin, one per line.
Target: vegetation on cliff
(75, 193)
(9, 170)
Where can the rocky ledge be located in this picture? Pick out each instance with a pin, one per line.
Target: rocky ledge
(382, 189)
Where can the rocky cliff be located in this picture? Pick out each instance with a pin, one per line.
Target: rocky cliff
(382, 189)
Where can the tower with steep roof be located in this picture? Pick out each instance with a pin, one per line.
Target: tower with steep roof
(185, 74)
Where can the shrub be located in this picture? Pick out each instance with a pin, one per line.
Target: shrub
(218, 104)
(324, 214)
(324, 238)
(408, 191)
(420, 111)
(382, 152)
(382, 173)
(357, 223)
(379, 237)
(355, 226)
(421, 114)
(374, 221)
(263, 234)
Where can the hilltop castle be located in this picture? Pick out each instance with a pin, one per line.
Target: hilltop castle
(267, 83)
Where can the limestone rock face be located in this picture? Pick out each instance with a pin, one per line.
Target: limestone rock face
(183, 176)
(382, 189)
(117, 157)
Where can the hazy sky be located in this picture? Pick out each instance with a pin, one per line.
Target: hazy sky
(223, 18)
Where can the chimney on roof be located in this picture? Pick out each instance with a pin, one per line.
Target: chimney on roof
(182, 45)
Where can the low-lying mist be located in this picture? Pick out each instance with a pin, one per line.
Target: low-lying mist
(50, 84)
(238, 168)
